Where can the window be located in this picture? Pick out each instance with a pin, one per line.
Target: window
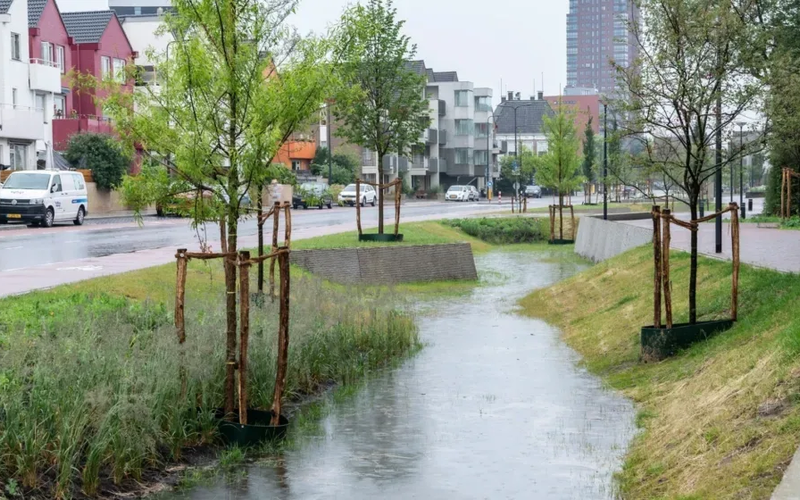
(68, 183)
(483, 103)
(19, 156)
(56, 184)
(59, 106)
(464, 127)
(60, 59)
(105, 67)
(295, 165)
(14, 97)
(78, 180)
(47, 52)
(40, 103)
(482, 130)
(463, 156)
(481, 157)
(462, 98)
(15, 46)
(119, 70)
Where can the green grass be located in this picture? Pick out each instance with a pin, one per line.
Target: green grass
(89, 386)
(791, 223)
(701, 434)
(418, 233)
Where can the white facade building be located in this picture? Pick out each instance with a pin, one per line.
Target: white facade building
(520, 122)
(26, 94)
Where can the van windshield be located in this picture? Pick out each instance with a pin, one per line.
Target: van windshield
(27, 181)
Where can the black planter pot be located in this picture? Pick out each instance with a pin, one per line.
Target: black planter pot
(381, 237)
(660, 343)
(561, 242)
(257, 431)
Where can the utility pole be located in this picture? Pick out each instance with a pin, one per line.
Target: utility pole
(605, 161)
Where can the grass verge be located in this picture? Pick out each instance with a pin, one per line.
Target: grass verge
(719, 420)
(791, 223)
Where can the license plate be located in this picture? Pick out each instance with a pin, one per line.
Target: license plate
(14, 216)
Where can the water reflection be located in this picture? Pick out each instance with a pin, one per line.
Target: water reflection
(493, 407)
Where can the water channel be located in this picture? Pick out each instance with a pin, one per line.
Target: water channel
(494, 406)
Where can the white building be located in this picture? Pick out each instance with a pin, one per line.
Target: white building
(26, 94)
(521, 122)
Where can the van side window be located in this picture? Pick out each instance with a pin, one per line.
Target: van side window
(56, 183)
(79, 181)
(67, 183)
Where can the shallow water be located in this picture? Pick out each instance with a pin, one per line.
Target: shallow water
(494, 406)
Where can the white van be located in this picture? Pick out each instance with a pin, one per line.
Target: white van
(42, 197)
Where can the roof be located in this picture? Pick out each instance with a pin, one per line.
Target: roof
(59, 162)
(87, 27)
(417, 67)
(446, 76)
(4, 6)
(529, 116)
(35, 9)
(431, 75)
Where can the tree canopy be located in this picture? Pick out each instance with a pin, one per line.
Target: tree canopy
(560, 166)
(101, 154)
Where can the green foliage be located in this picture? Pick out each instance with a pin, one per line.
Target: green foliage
(560, 166)
(101, 154)
(589, 150)
(508, 230)
(89, 385)
(381, 103)
(343, 168)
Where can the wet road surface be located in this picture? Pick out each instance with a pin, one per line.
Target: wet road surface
(23, 248)
(493, 407)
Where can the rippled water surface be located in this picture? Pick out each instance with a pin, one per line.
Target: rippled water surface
(495, 406)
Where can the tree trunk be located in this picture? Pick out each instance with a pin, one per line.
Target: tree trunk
(560, 216)
(693, 265)
(260, 207)
(230, 310)
(380, 195)
(283, 338)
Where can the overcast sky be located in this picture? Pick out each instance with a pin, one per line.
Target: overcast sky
(512, 40)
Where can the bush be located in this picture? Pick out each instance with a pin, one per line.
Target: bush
(100, 153)
(505, 230)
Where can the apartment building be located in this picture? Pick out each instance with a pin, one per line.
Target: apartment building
(597, 33)
(29, 80)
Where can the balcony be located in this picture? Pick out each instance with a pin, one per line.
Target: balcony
(442, 137)
(433, 136)
(368, 158)
(419, 162)
(21, 122)
(402, 164)
(64, 128)
(44, 76)
(437, 165)
(442, 107)
(461, 169)
(389, 164)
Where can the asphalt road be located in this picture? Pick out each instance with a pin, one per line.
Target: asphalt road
(21, 249)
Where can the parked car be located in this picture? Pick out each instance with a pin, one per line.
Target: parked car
(474, 194)
(44, 197)
(533, 191)
(368, 195)
(312, 194)
(458, 193)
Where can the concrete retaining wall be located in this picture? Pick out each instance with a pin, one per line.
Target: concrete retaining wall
(599, 240)
(390, 264)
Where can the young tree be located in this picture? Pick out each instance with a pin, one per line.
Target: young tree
(381, 104)
(690, 69)
(527, 165)
(560, 166)
(589, 149)
(237, 83)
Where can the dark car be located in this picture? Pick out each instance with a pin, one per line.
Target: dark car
(312, 194)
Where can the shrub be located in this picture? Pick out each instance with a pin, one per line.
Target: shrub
(100, 153)
(504, 230)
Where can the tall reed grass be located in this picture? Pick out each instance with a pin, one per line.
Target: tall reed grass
(90, 396)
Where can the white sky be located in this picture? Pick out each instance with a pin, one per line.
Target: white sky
(512, 40)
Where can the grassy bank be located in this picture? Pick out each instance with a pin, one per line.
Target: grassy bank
(721, 419)
(790, 223)
(89, 391)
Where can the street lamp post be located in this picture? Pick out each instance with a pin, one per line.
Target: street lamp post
(516, 144)
(605, 161)
(488, 158)
(741, 171)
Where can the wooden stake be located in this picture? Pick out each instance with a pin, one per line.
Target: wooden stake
(552, 222)
(283, 338)
(223, 245)
(180, 295)
(397, 199)
(276, 222)
(244, 332)
(572, 216)
(358, 205)
(783, 190)
(735, 252)
(261, 221)
(657, 266)
(788, 194)
(667, 238)
(287, 224)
